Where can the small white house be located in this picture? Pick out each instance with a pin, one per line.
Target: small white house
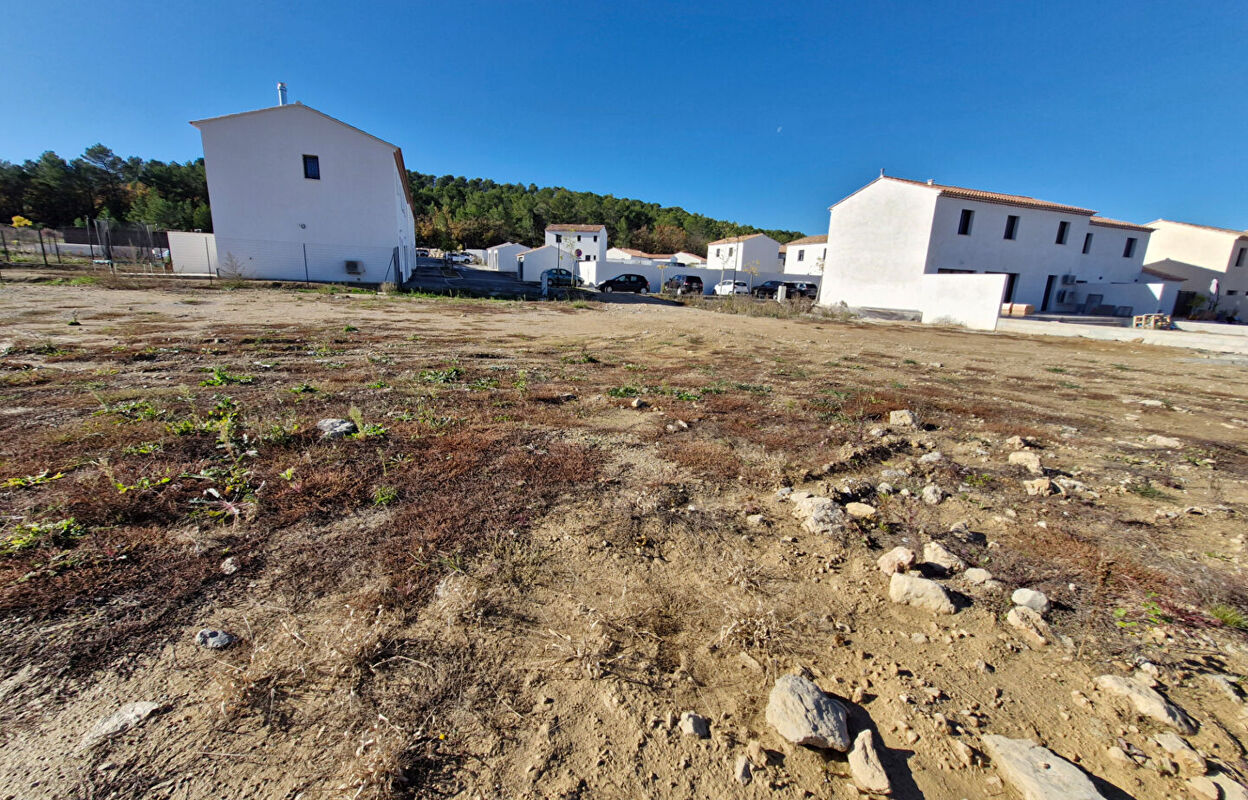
(532, 263)
(586, 242)
(805, 256)
(298, 195)
(1199, 255)
(757, 251)
(502, 257)
(690, 259)
(957, 254)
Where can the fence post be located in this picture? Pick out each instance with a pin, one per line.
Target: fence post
(42, 249)
(57, 247)
(5, 243)
(306, 279)
(207, 258)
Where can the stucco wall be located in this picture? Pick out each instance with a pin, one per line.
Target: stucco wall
(805, 259)
(193, 253)
(503, 257)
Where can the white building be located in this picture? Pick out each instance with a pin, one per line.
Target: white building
(532, 263)
(690, 259)
(587, 242)
(1199, 255)
(957, 254)
(502, 257)
(298, 195)
(736, 253)
(805, 256)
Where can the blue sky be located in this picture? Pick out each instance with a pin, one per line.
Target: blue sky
(762, 113)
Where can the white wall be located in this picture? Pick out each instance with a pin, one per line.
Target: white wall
(1200, 255)
(264, 210)
(970, 300)
(193, 253)
(502, 257)
(762, 252)
(584, 241)
(805, 259)
(535, 262)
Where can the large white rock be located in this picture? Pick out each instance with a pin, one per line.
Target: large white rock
(899, 559)
(1147, 702)
(865, 766)
(1028, 460)
(938, 555)
(920, 593)
(1031, 598)
(1231, 789)
(1036, 773)
(818, 514)
(1030, 626)
(903, 418)
(804, 714)
(1190, 762)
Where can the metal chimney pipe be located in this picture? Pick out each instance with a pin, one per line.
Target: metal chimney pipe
(281, 93)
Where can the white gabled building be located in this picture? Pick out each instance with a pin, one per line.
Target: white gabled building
(298, 195)
(805, 256)
(586, 242)
(690, 259)
(957, 254)
(502, 257)
(1198, 255)
(756, 250)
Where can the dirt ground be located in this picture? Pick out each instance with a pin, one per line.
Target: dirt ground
(561, 526)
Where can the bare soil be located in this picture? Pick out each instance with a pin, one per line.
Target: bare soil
(515, 581)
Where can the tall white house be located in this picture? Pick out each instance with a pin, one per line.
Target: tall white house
(585, 242)
(1199, 255)
(956, 253)
(805, 256)
(298, 195)
(756, 250)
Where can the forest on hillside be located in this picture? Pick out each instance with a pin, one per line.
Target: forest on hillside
(451, 212)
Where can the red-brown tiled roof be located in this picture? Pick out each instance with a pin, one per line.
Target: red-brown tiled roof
(1117, 223)
(1202, 227)
(732, 239)
(576, 228)
(1165, 276)
(1020, 200)
(810, 240)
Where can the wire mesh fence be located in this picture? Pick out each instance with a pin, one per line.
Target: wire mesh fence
(102, 244)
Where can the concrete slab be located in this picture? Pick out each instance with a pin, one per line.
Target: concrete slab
(1219, 342)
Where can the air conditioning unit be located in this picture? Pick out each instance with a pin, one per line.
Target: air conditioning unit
(1068, 280)
(1067, 296)
(354, 268)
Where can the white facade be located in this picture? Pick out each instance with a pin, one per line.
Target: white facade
(757, 251)
(805, 256)
(532, 263)
(690, 259)
(298, 195)
(1198, 255)
(193, 253)
(587, 242)
(903, 244)
(502, 257)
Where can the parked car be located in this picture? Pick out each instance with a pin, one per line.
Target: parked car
(421, 252)
(558, 276)
(732, 287)
(628, 282)
(459, 258)
(769, 288)
(810, 290)
(683, 284)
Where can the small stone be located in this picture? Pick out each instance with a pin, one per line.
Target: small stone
(1168, 442)
(884, 487)
(933, 494)
(804, 714)
(1231, 789)
(1031, 598)
(934, 457)
(230, 565)
(1191, 762)
(756, 753)
(977, 576)
(1147, 702)
(1204, 788)
(964, 752)
(123, 719)
(757, 520)
(1040, 487)
(938, 555)
(638, 403)
(215, 640)
(899, 559)
(903, 418)
(1036, 772)
(1030, 625)
(920, 593)
(335, 428)
(865, 767)
(860, 510)
(692, 724)
(741, 770)
(1028, 460)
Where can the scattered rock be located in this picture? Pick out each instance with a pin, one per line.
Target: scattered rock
(335, 428)
(860, 510)
(692, 724)
(899, 559)
(757, 520)
(1204, 788)
(638, 403)
(756, 753)
(1190, 762)
(230, 565)
(1036, 773)
(1224, 685)
(920, 593)
(741, 770)
(938, 555)
(964, 752)
(123, 719)
(977, 576)
(903, 418)
(1147, 702)
(1027, 459)
(1039, 487)
(215, 640)
(820, 515)
(1168, 442)
(865, 766)
(933, 494)
(934, 457)
(804, 714)
(1031, 598)
(1231, 789)
(1030, 625)
(884, 487)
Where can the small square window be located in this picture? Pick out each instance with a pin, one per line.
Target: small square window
(1087, 243)
(1128, 250)
(1011, 227)
(964, 222)
(1063, 230)
(1232, 292)
(801, 255)
(312, 168)
(730, 252)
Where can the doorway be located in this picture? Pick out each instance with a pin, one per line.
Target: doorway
(1048, 292)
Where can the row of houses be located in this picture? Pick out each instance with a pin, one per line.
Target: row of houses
(299, 195)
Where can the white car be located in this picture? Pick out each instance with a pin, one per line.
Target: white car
(731, 287)
(459, 258)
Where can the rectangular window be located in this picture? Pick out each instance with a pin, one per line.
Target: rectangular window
(1087, 243)
(578, 237)
(1011, 227)
(730, 252)
(801, 255)
(1239, 259)
(964, 223)
(1232, 292)
(1129, 249)
(595, 238)
(312, 167)
(1063, 229)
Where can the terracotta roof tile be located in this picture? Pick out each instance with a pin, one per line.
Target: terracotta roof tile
(1165, 276)
(732, 239)
(810, 240)
(576, 228)
(1020, 200)
(1117, 223)
(1202, 227)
